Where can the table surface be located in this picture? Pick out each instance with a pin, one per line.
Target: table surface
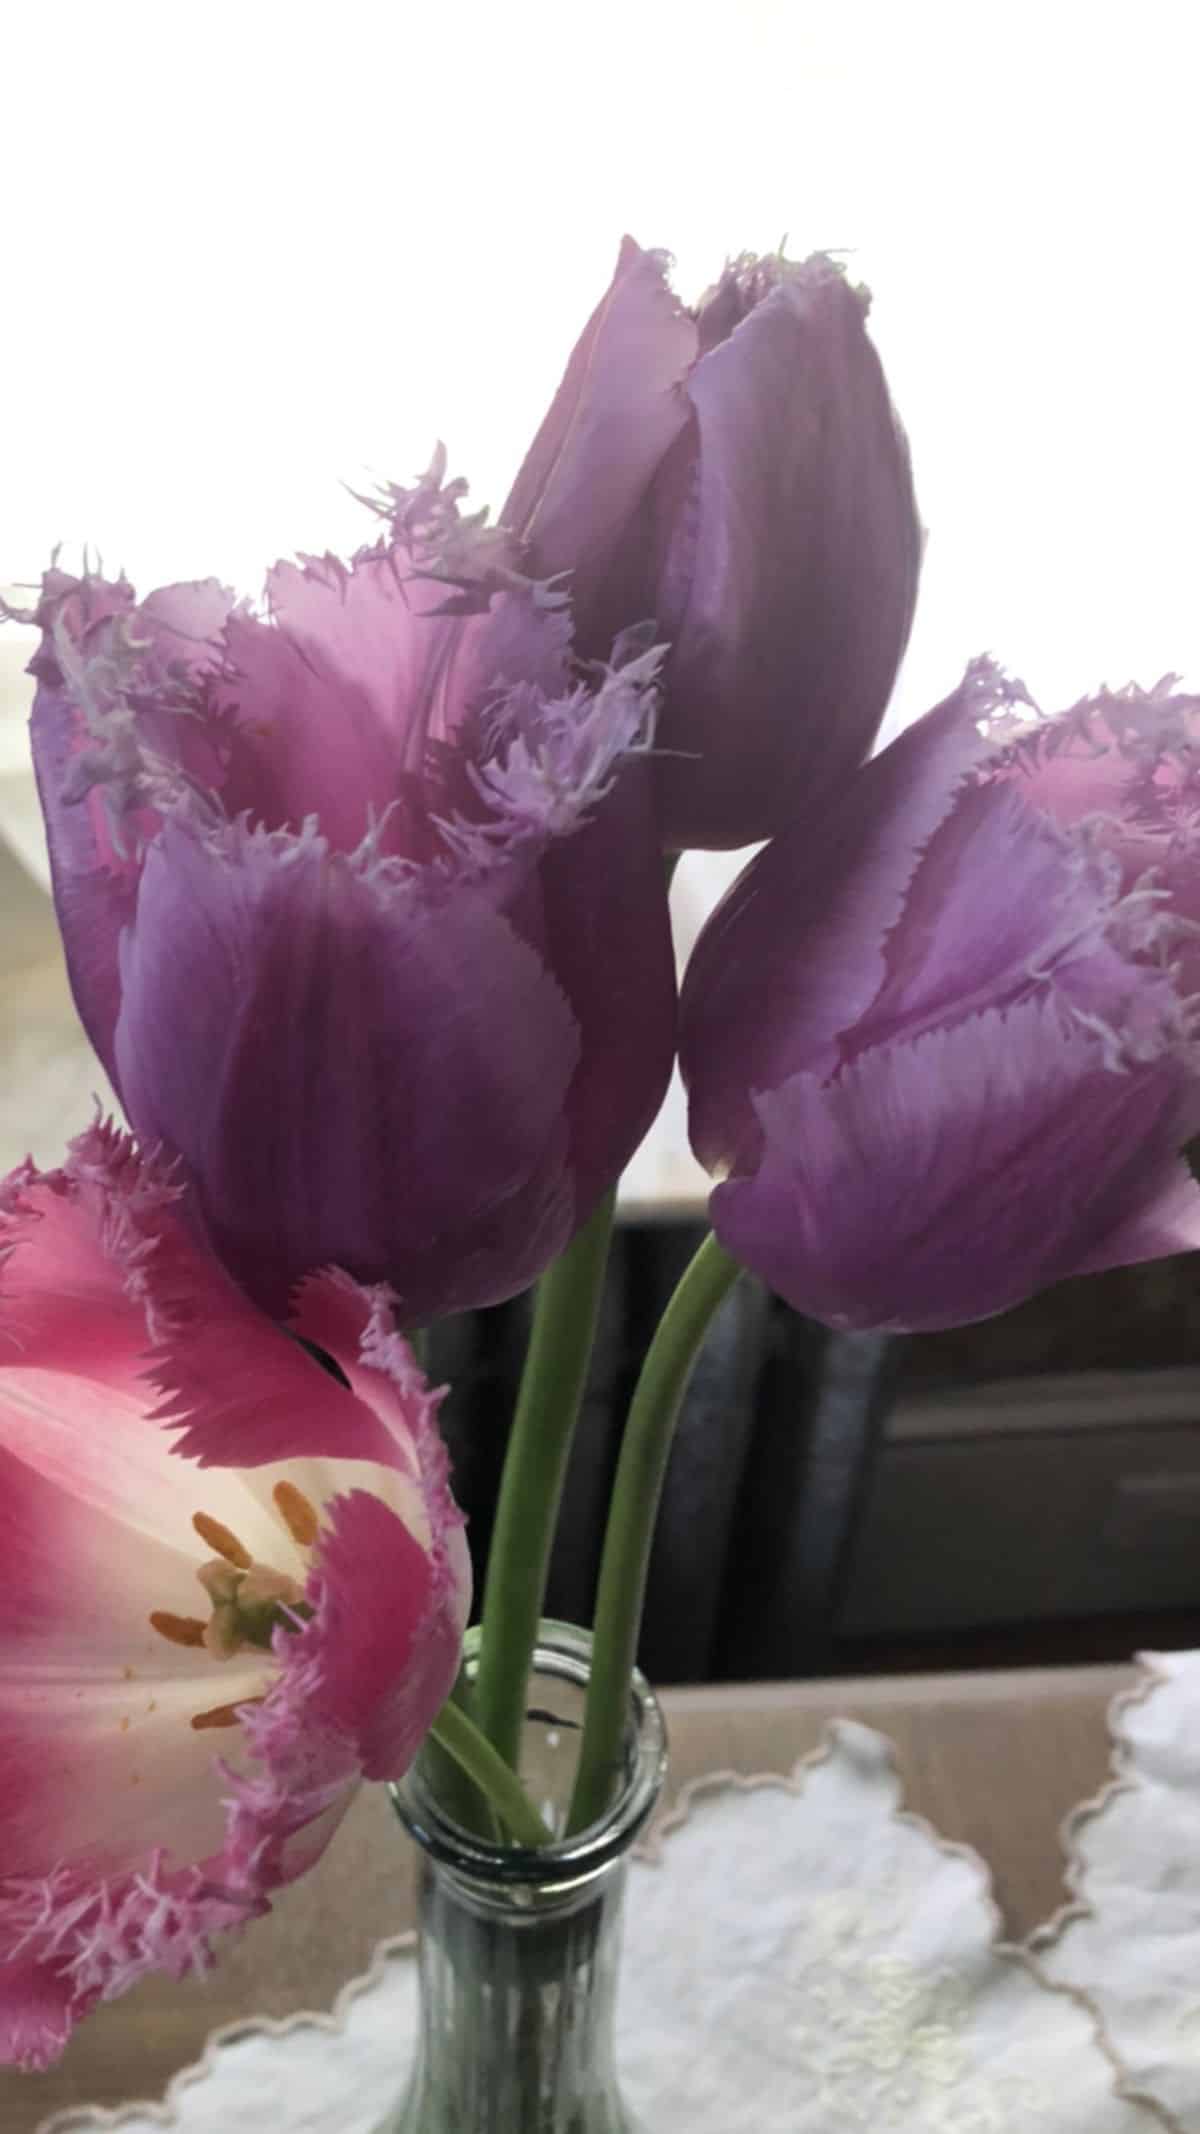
(992, 1760)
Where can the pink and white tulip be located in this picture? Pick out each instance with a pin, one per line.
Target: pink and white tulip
(235, 1585)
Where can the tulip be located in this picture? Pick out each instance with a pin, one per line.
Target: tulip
(362, 903)
(940, 1039)
(236, 1585)
(737, 473)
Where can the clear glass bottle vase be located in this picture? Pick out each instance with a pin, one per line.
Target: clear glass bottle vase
(519, 1949)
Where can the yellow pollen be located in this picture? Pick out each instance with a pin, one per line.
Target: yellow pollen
(124, 1726)
(219, 1538)
(177, 1629)
(297, 1514)
(221, 1714)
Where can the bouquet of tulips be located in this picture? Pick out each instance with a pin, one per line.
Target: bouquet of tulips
(364, 896)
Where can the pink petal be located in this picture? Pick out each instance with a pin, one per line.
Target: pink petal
(38, 2011)
(111, 1306)
(128, 1841)
(391, 1592)
(101, 1765)
(100, 1760)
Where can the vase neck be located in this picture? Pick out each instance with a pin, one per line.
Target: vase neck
(519, 1946)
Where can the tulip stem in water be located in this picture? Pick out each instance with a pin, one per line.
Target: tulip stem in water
(497, 1781)
(556, 1368)
(645, 1449)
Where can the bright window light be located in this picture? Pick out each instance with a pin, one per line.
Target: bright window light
(258, 250)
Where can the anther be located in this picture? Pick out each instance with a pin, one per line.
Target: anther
(219, 1538)
(177, 1629)
(222, 1714)
(296, 1512)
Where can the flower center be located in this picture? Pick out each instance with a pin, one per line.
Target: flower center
(249, 1601)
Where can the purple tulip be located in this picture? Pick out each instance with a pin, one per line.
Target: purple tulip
(737, 473)
(940, 1038)
(363, 903)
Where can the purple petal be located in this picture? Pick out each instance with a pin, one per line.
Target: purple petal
(938, 1182)
(1167, 1222)
(1127, 763)
(356, 1071)
(602, 922)
(1054, 918)
(569, 815)
(796, 952)
(790, 574)
(98, 648)
(578, 499)
(340, 696)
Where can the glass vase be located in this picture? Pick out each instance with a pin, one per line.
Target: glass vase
(519, 1949)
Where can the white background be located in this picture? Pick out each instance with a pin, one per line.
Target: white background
(255, 250)
(259, 250)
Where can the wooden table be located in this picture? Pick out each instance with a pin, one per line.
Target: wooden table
(993, 1760)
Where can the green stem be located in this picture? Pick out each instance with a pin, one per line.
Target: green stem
(556, 1368)
(645, 1449)
(474, 1754)
(457, 1793)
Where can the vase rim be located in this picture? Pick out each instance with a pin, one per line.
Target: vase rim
(562, 1649)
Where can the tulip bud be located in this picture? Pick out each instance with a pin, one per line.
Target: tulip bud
(738, 474)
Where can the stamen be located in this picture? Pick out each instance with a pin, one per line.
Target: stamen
(177, 1629)
(297, 1513)
(219, 1538)
(222, 1714)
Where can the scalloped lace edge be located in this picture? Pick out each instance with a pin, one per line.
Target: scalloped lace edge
(101, 2119)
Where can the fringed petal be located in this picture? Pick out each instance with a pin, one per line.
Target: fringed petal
(940, 1181)
(38, 2011)
(797, 951)
(119, 717)
(361, 672)
(1126, 764)
(103, 1291)
(128, 1842)
(371, 1066)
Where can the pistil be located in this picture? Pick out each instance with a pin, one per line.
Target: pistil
(250, 1601)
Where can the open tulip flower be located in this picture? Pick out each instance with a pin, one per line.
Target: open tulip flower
(235, 1585)
(737, 473)
(362, 902)
(941, 1039)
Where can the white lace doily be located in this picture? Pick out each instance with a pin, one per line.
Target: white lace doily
(1131, 1940)
(800, 1955)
